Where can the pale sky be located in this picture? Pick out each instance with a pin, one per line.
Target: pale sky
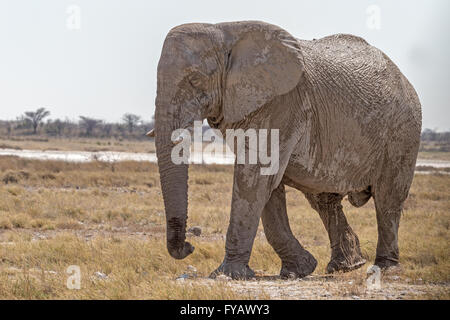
(107, 66)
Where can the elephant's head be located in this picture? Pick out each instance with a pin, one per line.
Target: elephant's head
(221, 72)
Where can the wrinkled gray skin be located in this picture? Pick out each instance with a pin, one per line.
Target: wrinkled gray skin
(349, 124)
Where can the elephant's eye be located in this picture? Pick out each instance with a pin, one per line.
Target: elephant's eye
(197, 80)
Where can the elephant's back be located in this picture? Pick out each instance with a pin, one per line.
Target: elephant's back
(350, 68)
(358, 101)
(359, 81)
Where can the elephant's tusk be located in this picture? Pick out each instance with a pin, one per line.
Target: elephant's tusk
(151, 133)
(185, 134)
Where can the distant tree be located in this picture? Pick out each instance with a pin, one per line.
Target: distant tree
(60, 126)
(131, 121)
(89, 124)
(71, 128)
(121, 128)
(55, 128)
(36, 117)
(446, 136)
(8, 128)
(107, 128)
(22, 123)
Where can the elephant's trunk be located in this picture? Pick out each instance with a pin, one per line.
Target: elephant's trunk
(173, 184)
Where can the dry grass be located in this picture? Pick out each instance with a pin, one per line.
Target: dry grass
(434, 155)
(78, 144)
(110, 218)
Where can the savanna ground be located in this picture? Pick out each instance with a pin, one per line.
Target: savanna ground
(76, 144)
(108, 219)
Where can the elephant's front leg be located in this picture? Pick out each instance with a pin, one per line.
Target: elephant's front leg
(295, 260)
(251, 191)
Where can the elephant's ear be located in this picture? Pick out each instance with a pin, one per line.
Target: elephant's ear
(265, 61)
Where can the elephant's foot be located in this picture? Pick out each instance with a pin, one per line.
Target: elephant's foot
(237, 271)
(298, 266)
(346, 255)
(386, 263)
(345, 264)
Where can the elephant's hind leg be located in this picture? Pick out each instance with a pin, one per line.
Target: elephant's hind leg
(345, 251)
(389, 197)
(295, 260)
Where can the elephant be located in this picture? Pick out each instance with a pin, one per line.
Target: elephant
(349, 125)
